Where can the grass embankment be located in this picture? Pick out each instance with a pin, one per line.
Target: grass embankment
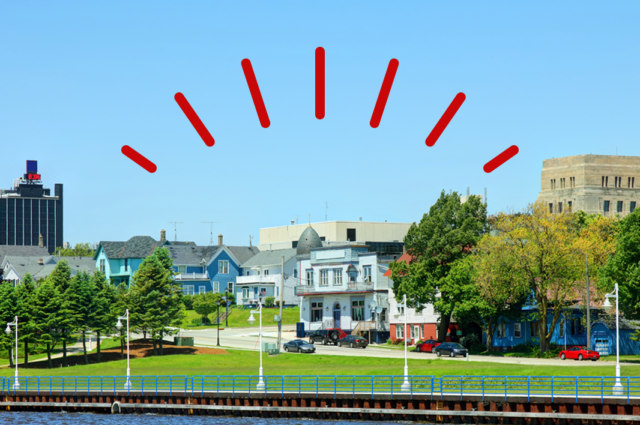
(239, 318)
(247, 363)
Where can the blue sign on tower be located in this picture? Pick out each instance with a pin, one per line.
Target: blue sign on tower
(32, 166)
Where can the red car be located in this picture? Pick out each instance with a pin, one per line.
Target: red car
(428, 346)
(579, 353)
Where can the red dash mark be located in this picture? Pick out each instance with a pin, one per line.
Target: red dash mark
(194, 119)
(384, 93)
(320, 83)
(255, 93)
(445, 119)
(503, 157)
(138, 158)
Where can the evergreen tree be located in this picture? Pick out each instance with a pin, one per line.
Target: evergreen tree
(118, 308)
(8, 311)
(82, 300)
(103, 319)
(25, 294)
(46, 306)
(60, 277)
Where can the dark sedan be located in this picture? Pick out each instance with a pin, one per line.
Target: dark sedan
(299, 346)
(451, 349)
(353, 341)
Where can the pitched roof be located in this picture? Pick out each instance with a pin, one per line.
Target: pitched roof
(191, 255)
(23, 265)
(243, 253)
(136, 247)
(404, 257)
(270, 258)
(22, 251)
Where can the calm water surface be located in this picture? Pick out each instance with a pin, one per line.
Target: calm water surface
(33, 418)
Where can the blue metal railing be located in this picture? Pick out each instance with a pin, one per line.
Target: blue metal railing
(503, 386)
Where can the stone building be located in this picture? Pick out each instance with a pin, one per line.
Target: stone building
(604, 184)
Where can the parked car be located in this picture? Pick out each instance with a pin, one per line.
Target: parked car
(428, 346)
(579, 353)
(299, 346)
(353, 341)
(327, 336)
(451, 349)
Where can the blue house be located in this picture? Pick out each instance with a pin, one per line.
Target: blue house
(120, 260)
(570, 330)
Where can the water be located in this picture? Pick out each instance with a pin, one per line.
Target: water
(55, 418)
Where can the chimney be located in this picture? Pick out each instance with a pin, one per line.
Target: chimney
(40, 262)
(163, 235)
(220, 239)
(41, 241)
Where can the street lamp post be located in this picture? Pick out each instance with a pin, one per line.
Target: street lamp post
(617, 388)
(252, 319)
(226, 303)
(218, 321)
(16, 382)
(406, 386)
(127, 385)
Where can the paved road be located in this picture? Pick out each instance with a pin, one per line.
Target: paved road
(247, 339)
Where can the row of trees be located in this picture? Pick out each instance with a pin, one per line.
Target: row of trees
(485, 269)
(58, 309)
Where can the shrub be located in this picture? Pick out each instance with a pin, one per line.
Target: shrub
(196, 321)
(268, 302)
(398, 342)
(187, 300)
(471, 340)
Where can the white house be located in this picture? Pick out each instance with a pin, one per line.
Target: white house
(341, 286)
(262, 277)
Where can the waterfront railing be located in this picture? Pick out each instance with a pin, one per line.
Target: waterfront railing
(555, 387)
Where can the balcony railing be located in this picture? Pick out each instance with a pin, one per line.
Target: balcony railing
(192, 276)
(345, 287)
(270, 278)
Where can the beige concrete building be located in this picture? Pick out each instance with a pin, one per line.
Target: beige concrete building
(334, 231)
(604, 184)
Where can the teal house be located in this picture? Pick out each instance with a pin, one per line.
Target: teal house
(119, 260)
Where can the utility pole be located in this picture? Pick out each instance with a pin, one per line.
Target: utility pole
(175, 229)
(211, 223)
(588, 305)
(280, 321)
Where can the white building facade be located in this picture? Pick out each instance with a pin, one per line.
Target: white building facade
(343, 287)
(262, 277)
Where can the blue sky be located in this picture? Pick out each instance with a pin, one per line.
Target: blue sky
(81, 79)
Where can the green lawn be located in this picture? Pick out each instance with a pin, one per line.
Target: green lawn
(246, 363)
(239, 318)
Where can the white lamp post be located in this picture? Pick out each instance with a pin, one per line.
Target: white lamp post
(406, 386)
(260, 386)
(127, 385)
(617, 388)
(16, 383)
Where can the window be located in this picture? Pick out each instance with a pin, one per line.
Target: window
(216, 287)
(502, 330)
(400, 309)
(324, 277)
(629, 182)
(182, 269)
(223, 266)
(247, 273)
(383, 315)
(367, 273)
(569, 206)
(202, 289)
(102, 266)
(310, 277)
(633, 182)
(619, 207)
(561, 328)
(632, 206)
(533, 329)
(351, 235)
(422, 332)
(230, 287)
(606, 206)
(562, 183)
(277, 291)
(295, 273)
(618, 181)
(126, 264)
(337, 277)
(265, 272)
(605, 181)
(576, 327)
(187, 290)
(263, 292)
(517, 330)
(316, 311)
(245, 292)
(559, 207)
(357, 310)
(399, 331)
(572, 181)
(551, 208)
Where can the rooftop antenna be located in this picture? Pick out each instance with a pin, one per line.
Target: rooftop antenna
(211, 223)
(175, 229)
(326, 208)
(250, 239)
(298, 215)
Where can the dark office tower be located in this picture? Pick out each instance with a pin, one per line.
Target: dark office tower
(28, 211)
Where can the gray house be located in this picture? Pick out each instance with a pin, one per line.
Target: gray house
(262, 277)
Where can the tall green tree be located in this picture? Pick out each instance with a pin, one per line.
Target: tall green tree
(8, 311)
(83, 301)
(47, 304)
(67, 321)
(623, 267)
(118, 308)
(25, 294)
(205, 304)
(446, 234)
(103, 320)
